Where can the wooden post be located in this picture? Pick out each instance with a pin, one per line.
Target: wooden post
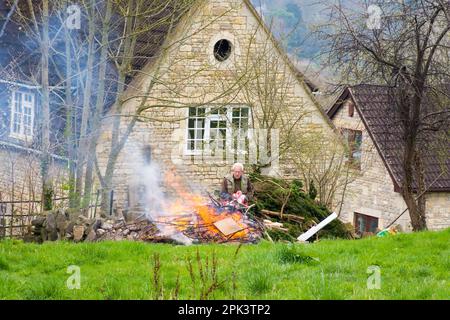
(12, 220)
(111, 200)
(2, 220)
(96, 202)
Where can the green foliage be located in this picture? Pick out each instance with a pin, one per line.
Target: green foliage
(48, 198)
(312, 191)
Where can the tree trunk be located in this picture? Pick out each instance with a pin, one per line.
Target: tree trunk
(82, 147)
(96, 125)
(70, 133)
(47, 183)
(416, 207)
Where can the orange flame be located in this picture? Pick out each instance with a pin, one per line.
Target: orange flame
(190, 210)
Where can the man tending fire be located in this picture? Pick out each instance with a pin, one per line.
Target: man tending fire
(237, 185)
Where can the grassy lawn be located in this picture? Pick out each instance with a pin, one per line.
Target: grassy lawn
(413, 266)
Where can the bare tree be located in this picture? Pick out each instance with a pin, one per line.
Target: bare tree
(39, 27)
(323, 163)
(403, 45)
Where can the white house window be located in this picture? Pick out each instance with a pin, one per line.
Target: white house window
(217, 129)
(22, 115)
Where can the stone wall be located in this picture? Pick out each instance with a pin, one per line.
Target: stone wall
(438, 210)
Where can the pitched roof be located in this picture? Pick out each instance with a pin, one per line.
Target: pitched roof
(375, 106)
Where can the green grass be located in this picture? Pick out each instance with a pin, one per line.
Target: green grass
(413, 266)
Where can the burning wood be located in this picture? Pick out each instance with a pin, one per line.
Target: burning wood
(212, 222)
(194, 218)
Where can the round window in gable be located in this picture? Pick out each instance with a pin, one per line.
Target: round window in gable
(222, 50)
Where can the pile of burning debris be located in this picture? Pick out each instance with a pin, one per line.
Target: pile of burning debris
(215, 221)
(197, 222)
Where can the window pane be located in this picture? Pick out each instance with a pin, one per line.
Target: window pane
(201, 112)
(200, 123)
(358, 139)
(17, 122)
(362, 225)
(223, 133)
(199, 144)
(191, 134)
(373, 225)
(192, 112)
(219, 110)
(18, 106)
(199, 134)
(244, 112)
(356, 154)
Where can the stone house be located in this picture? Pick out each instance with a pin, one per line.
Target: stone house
(364, 116)
(214, 43)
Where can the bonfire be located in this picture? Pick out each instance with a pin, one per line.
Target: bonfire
(192, 218)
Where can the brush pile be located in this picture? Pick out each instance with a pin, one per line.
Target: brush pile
(287, 210)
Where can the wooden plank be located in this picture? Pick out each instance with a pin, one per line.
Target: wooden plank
(308, 234)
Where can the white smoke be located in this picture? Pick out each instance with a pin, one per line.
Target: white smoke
(156, 203)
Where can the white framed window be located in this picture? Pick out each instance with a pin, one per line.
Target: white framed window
(22, 115)
(216, 129)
